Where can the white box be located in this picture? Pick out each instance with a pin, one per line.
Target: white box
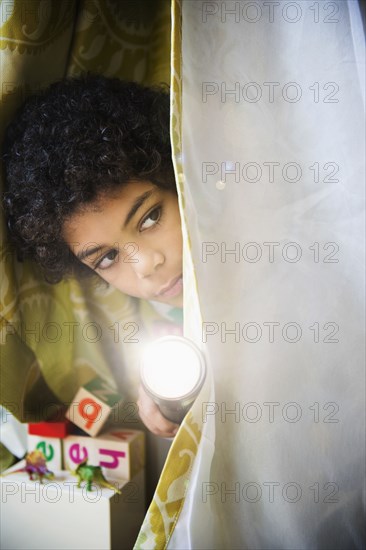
(56, 515)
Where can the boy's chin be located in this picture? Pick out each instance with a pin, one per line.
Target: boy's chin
(176, 301)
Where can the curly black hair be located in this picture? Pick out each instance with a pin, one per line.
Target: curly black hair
(70, 144)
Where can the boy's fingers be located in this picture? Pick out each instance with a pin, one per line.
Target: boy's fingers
(152, 418)
(155, 421)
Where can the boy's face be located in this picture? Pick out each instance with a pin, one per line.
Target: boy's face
(133, 240)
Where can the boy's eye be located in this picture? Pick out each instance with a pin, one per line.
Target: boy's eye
(151, 219)
(107, 260)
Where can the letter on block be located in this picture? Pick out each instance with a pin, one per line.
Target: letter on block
(120, 452)
(92, 406)
(50, 447)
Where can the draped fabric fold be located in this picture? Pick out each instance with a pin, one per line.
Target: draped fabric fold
(269, 141)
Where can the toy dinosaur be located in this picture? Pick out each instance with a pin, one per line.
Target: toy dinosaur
(92, 474)
(35, 467)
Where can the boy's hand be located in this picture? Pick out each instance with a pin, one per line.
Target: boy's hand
(152, 418)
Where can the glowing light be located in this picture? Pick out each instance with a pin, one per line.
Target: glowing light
(172, 372)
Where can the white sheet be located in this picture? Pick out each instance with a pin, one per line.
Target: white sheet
(292, 452)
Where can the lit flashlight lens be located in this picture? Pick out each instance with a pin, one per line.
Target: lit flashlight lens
(172, 373)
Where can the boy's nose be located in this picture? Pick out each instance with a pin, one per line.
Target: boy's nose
(148, 262)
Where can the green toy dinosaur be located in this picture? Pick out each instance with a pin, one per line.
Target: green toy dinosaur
(92, 474)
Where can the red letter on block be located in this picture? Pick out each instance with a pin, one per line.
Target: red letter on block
(92, 416)
(88, 412)
(114, 455)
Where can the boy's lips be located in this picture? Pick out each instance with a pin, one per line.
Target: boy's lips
(173, 288)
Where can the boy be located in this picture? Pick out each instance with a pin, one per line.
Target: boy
(91, 191)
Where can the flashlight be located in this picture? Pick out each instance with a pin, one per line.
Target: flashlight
(173, 370)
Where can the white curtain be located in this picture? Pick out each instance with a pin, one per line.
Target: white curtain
(273, 159)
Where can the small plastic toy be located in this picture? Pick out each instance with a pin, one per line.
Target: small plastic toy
(35, 467)
(92, 474)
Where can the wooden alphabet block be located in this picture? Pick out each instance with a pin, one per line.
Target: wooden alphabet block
(121, 453)
(92, 406)
(51, 447)
(50, 429)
